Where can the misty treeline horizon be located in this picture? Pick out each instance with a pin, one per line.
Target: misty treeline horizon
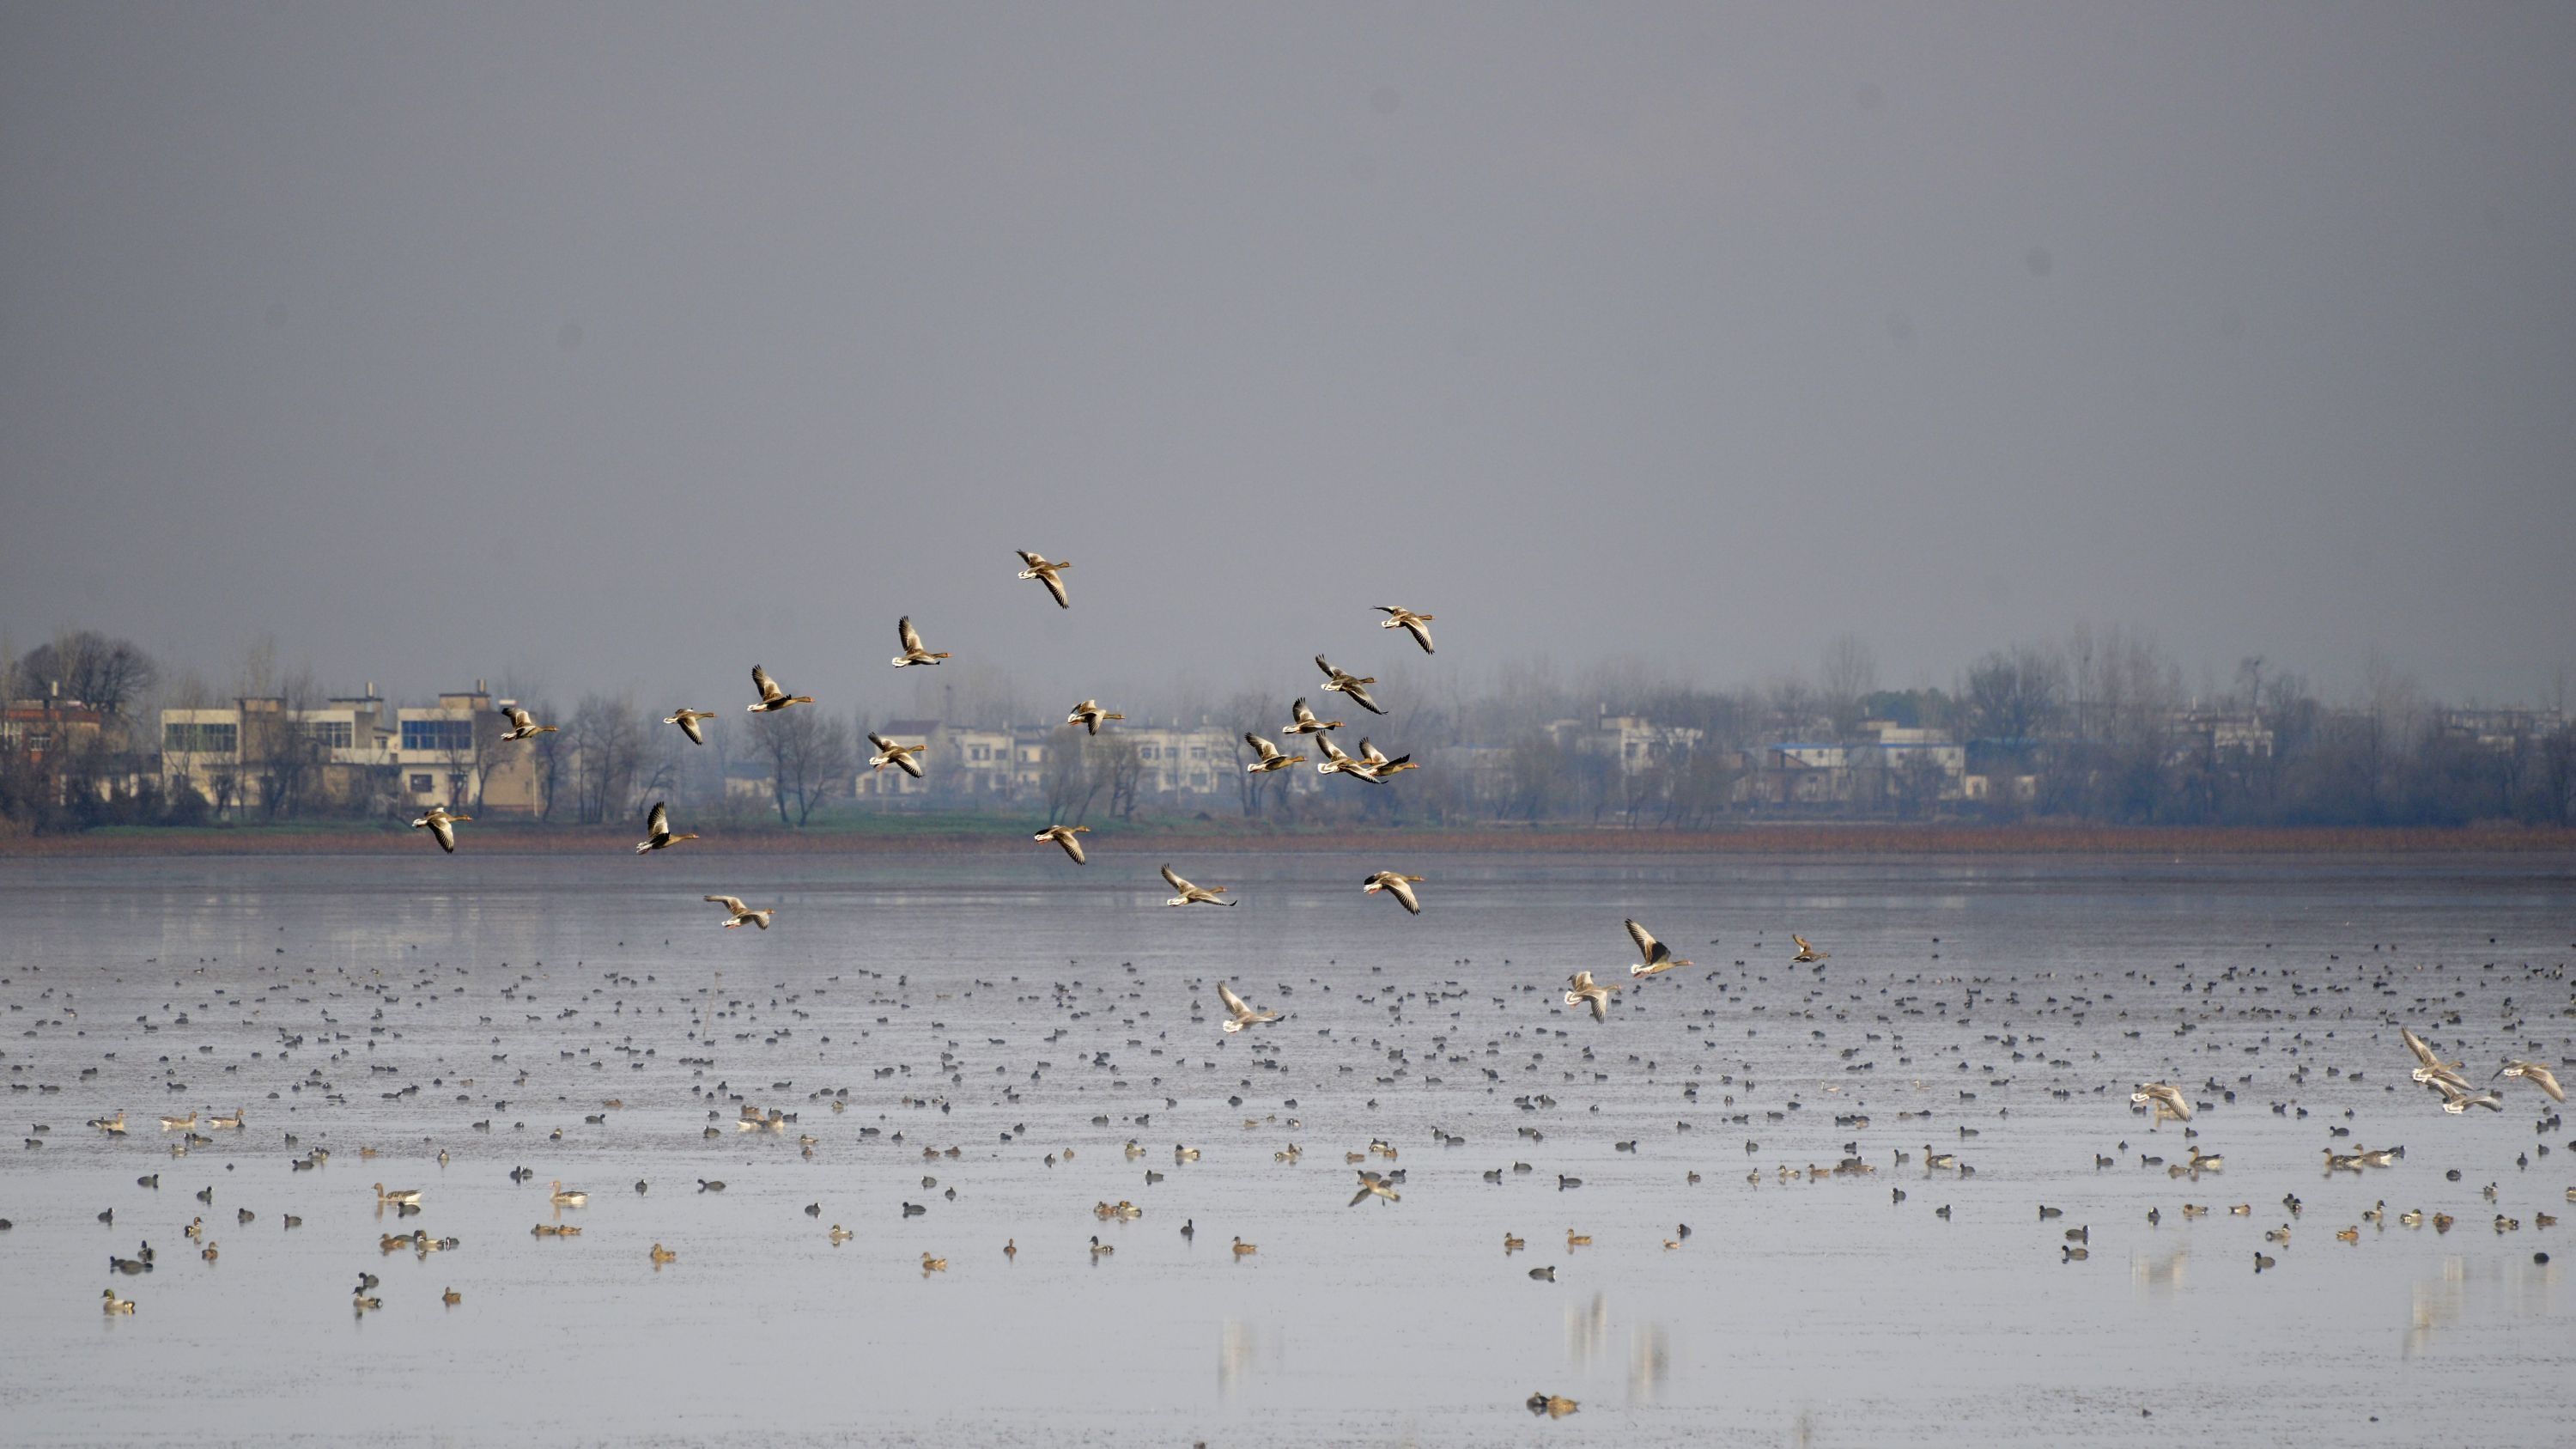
(2098, 724)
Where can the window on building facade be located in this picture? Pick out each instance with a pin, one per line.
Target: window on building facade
(438, 734)
(420, 784)
(330, 734)
(200, 738)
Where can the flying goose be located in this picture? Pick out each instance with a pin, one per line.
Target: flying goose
(1396, 884)
(438, 822)
(736, 913)
(523, 725)
(1373, 1185)
(2457, 1099)
(687, 718)
(1190, 894)
(2429, 1064)
(1337, 761)
(1050, 574)
(1272, 757)
(657, 831)
(1379, 766)
(1064, 835)
(1338, 681)
(2167, 1099)
(771, 696)
(1407, 620)
(1243, 1013)
(890, 753)
(913, 653)
(1088, 714)
(1584, 989)
(2534, 1073)
(1807, 952)
(1302, 721)
(1658, 956)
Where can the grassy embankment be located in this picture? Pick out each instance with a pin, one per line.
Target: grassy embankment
(853, 832)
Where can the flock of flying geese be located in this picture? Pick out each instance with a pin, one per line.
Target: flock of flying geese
(1371, 765)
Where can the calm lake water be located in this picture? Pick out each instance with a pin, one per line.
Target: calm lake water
(1016, 1008)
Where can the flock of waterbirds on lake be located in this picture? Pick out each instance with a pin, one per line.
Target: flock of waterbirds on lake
(1907, 1006)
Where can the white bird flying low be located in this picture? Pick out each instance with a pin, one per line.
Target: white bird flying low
(772, 698)
(1583, 990)
(523, 725)
(438, 822)
(1396, 884)
(1807, 952)
(2429, 1065)
(2167, 1100)
(1302, 721)
(1050, 574)
(1409, 621)
(1658, 956)
(2534, 1073)
(913, 653)
(657, 831)
(1190, 893)
(902, 757)
(1374, 1185)
(1271, 756)
(738, 914)
(1379, 766)
(1343, 682)
(1064, 835)
(1241, 1012)
(1089, 714)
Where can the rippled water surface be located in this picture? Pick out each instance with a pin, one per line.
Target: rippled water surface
(1017, 1009)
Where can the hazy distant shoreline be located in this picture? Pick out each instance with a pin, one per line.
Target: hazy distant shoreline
(900, 836)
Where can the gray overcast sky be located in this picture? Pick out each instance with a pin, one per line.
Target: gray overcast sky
(625, 345)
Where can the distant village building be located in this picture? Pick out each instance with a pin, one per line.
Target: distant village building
(351, 752)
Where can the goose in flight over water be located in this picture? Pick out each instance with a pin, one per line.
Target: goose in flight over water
(1583, 989)
(438, 822)
(1338, 762)
(657, 831)
(1807, 952)
(913, 653)
(2167, 1100)
(1379, 766)
(1050, 574)
(1064, 835)
(738, 913)
(1088, 714)
(2430, 1067)
(1271, 757)
(2457, 1099)
(2534, 1073)
(1409, 621)
(1303, 721)
(523, 725)
(771, 696)
(1658, 956)
(1190, 893)
(890, 753)
(1337, 681)
(1373, 1185)
(1396, 884)
(1242, 1013)
(687, 719)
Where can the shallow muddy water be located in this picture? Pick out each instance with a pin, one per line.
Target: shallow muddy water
(1017, 1009)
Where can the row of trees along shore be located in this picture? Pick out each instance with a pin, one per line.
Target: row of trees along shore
(2097, 726)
